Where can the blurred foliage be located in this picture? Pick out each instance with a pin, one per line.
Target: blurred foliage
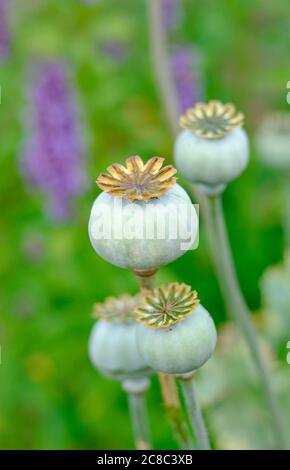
(50, 395)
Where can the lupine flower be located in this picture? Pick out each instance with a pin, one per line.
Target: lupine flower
(171, 11)
(117, 51)
(185, 60)
(53, 156)
(185, 63)
(4, 30)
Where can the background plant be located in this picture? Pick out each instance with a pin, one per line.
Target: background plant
(50, 278)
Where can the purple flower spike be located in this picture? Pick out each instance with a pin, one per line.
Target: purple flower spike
(53, 155)
(185, 61)
(4, 30)
(172, 13)
(116, 51)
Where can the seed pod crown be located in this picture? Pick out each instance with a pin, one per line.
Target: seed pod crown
(167, 305)
(212, 120)
(138, 181)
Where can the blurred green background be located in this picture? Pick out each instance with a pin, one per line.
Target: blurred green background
(50, 395)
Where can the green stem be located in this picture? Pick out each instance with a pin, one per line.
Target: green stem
(173, 409)
(139, 418)
(168, 386)
(161, 63)
(224, 265)
(194, 412)
(163, 74)
(237, 308)
(286, 209)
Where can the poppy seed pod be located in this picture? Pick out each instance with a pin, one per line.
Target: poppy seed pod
(112, 344)
(273, 141)
(143, 219)
(177, 334)
(212, 149)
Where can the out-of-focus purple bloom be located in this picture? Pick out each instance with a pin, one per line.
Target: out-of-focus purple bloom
(24, 305)
(89, 2)
(117, 51)
(33, 246)
(172, 13)
(4, 30)
(185, 63)
(53, 156)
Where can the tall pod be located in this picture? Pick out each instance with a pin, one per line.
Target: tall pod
(210, 151)
(113, 351)
(142, 220)
(177, 336)
(273, 144)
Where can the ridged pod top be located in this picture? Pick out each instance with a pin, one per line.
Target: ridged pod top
(117, 309)
(212, 120)
(138, 180)
(277, 124)
(167, 305)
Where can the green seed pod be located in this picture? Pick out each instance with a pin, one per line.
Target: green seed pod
(148, 219)
(112, 345)
(273, 141)
(212, 149)
(177, 335)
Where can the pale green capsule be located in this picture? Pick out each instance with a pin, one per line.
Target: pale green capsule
(143, 234)
(273, 141)
(181, 348)
(211, 162)
(113, 351)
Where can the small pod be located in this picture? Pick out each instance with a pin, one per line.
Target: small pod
(177, 334)
(212, 149)
(273, 141)
(112, 345)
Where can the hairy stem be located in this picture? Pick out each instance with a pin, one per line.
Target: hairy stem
(194, 412)
(139, 418)
(161, 63)
(237, 308)
(168, 386)
(163, 74)
(173, 409)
